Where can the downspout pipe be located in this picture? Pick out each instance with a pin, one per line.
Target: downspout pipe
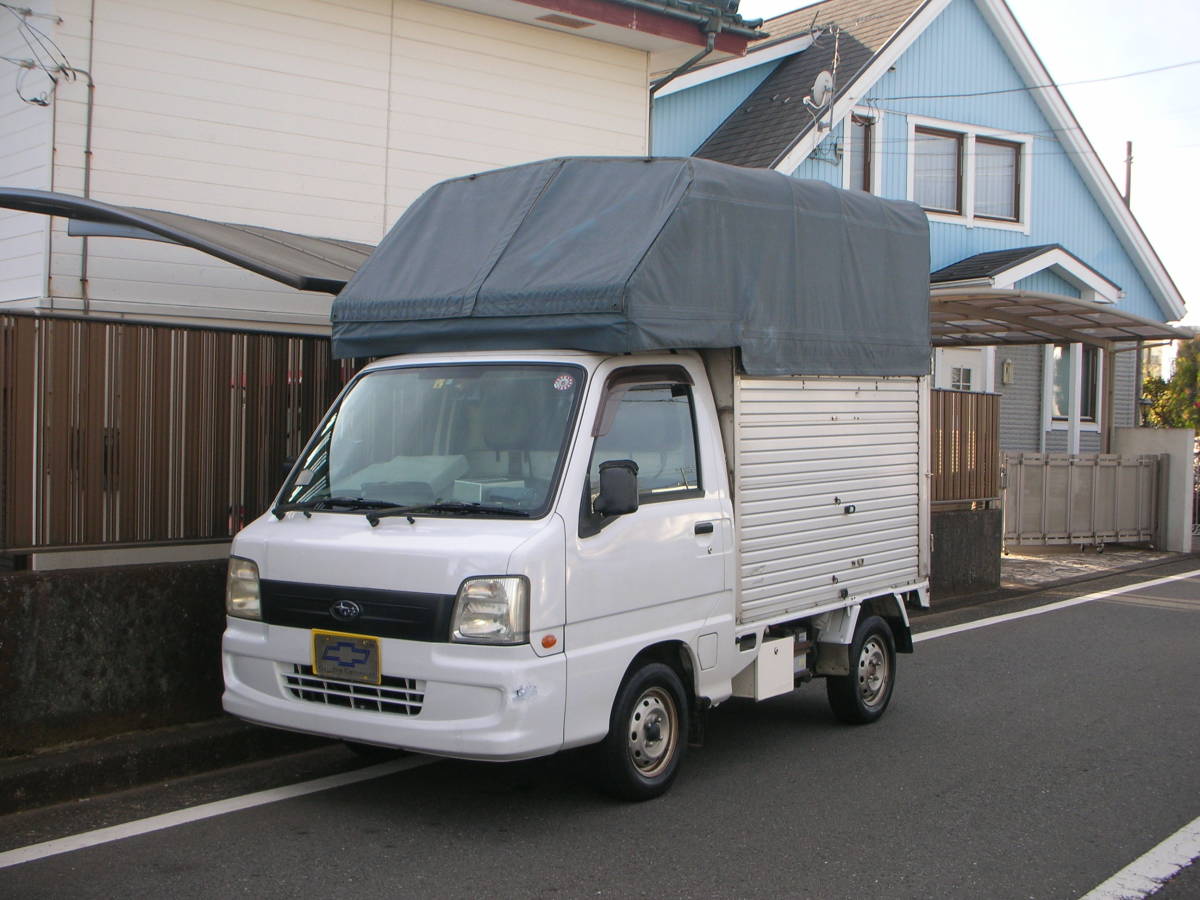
(87, 170)
(687, 66)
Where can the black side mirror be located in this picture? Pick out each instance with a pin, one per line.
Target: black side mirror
(618, 488)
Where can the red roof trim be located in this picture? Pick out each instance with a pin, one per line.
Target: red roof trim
(659, 24)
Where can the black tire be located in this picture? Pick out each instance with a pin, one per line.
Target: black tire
(647, 734)
(862, 696)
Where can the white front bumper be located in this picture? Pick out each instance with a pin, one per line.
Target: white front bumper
(491, 703)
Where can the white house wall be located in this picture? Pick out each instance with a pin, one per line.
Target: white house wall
(24, 162)
(326, 118)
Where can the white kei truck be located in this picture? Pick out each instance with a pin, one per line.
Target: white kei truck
(639, 436)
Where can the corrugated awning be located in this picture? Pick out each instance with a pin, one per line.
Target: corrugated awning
(298, 260)
(983, 316)
(960, 316)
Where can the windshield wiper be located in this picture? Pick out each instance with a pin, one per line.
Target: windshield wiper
(307, 506)
(448, 507)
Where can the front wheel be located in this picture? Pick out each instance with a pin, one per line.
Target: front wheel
(647, 733)
(863, 695)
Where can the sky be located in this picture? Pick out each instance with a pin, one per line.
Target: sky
(1080, 40)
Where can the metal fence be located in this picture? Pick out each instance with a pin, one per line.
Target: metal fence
(118, 434)
(965, 447)
(1097, 498)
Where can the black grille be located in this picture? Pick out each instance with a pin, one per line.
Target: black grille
(388, 614)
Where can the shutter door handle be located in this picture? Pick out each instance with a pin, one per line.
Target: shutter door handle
(704, 528)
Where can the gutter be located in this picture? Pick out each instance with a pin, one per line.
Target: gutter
(687, 13)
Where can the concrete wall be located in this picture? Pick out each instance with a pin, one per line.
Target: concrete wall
(96, 652)
(966, 551)
(1176, 495)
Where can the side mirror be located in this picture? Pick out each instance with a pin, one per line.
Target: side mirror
(618, 488)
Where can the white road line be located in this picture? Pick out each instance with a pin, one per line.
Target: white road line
(1049, 607)
(1148, 872)
(205, 811)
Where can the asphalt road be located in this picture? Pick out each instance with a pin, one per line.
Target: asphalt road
(1029, 758)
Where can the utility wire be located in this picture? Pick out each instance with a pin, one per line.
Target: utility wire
(46, 56)
(1037, 87)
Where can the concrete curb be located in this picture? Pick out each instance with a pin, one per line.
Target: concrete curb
(78, 771)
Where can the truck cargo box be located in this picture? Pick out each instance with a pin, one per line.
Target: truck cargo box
(827, 491)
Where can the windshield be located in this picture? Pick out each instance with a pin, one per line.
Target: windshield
(461, 438)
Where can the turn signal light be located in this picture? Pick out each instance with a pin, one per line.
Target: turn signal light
(549, 641)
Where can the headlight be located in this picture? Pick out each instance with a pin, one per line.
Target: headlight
(241, 589)
(492, 611)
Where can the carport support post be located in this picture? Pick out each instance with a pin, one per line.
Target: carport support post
(1075, 395)
(1109, 357)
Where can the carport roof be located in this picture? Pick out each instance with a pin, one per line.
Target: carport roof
(984, 316)
(300, 261)
(960, 316)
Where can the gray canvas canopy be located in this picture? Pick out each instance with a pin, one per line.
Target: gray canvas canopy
(617, 255)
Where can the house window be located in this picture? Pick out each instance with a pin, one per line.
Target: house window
(997, 179)
(937, 170)
(960, 378)
(862, 135)
(966, 175)
(1089, 391)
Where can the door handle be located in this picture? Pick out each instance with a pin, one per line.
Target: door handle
(704, 528)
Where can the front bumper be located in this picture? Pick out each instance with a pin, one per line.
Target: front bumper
(475, 702)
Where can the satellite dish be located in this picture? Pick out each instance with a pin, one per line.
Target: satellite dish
(822, 89)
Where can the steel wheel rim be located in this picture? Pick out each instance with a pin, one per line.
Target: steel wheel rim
(653, 731)
(874, 671)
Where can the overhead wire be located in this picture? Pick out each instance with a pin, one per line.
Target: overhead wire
(45, 55)
(1038, 87)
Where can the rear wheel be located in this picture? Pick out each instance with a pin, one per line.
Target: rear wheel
(863, 695)
(647, 733)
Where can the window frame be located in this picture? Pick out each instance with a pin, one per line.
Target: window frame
(960, 171)
(970, 134)
(1095, 386)
(1017, 188)
(957, 383)
(872, 166)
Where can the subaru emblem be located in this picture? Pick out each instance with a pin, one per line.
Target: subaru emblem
(345, 610)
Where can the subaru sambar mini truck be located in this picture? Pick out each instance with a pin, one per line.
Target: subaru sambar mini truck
(641, 435)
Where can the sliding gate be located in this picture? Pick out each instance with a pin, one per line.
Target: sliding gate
(1058, 498)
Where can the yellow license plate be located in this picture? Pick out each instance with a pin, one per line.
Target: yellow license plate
(345, 657)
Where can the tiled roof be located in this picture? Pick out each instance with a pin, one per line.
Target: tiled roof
(985, 265)
(763, 128)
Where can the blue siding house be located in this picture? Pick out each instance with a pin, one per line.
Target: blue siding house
(945, 103)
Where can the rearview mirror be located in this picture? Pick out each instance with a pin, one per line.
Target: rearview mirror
(618, 488)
